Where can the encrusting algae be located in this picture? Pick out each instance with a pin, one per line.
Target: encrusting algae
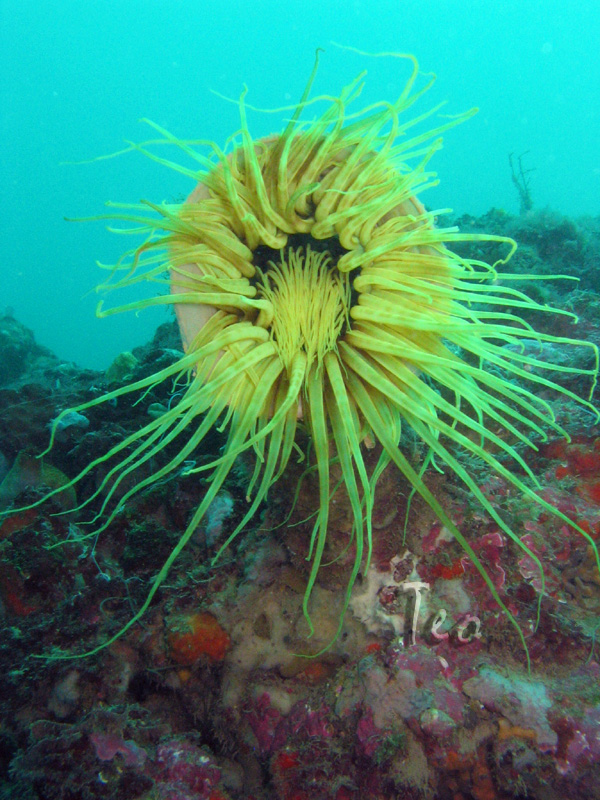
(315, 292)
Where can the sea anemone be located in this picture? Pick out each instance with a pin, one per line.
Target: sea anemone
(314, 291)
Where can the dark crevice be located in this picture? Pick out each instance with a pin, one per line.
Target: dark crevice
(263, 255)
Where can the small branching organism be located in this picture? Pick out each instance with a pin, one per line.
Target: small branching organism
(521, 181)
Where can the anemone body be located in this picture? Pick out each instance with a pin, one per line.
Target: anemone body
(313, 289)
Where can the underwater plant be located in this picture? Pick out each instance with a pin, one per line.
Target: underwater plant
(314, 290)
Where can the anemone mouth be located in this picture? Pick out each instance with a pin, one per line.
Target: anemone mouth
(308, 302)
(309, 281)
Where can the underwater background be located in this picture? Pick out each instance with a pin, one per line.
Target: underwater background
(148, 651)
(77, 77)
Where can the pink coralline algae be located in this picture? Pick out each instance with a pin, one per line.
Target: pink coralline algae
(107, 746)
(272, 730)
(264, 721)
(488, 549)
(185, 771)
(368, 734)
(179, 769)
(579, 741)
(531, 571)
(415, 684)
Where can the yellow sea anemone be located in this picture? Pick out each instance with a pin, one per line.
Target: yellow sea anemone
(313, 288)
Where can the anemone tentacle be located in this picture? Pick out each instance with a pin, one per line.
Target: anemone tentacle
(312, 287)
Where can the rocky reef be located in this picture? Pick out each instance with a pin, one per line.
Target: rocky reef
(425, 694)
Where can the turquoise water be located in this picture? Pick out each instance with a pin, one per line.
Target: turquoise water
(79, 74)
